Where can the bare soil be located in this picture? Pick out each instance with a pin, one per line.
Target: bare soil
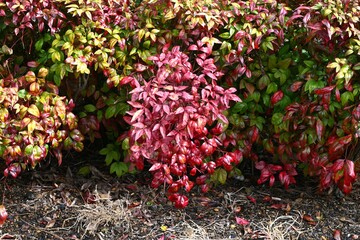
(57, 203)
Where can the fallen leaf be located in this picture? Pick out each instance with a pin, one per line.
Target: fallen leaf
(318, 215)
(50, 223)
(237, 209)
(163, 228)
(3, 215)
(162, 237)
(241, 221)
(132, 187)
(267, 198)
(251, 199)
(282, 206)
(309, 219)
(288, 208)
(337, 235)
(7, 236)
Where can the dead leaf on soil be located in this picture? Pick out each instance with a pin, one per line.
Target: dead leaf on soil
(237, 209)
(50, 223)
(337, 235)
(283, 206)
(3, 215)
(267, 198)
(241, 221)
(318, 215)
(251, 199)
(309, 219)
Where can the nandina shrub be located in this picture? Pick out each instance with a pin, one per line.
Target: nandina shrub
(309, 111)
(35, 121)
(294, 71)
(177, 121)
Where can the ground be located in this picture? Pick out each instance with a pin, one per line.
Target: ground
(57, 203)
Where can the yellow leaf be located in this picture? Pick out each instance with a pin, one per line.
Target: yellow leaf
(141, 34)
(163, 228)
(33, 110)
(88, 14)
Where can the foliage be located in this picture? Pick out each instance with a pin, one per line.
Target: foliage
(35, 120)
(156, 81)
(177, 119)
(304, 94)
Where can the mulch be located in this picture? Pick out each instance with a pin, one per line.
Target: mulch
(57, 203)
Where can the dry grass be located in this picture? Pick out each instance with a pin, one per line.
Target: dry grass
(285, 227)
(104, 212)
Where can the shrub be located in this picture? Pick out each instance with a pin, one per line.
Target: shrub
(177, 120)
(156, 80)
(35, 121)
(305, 95)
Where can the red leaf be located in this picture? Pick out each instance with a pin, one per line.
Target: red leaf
(137, 114)
(241, 221)
(255, 134)
(345, 140)
(155, 166)
(140, 67)
(337, 95)
(319, 128)
(278, 206)
(356, 112)
(181, 201)
(337, 235)
(3, 215)
(32, 64)
(251, 199)
(260, 165)
(271, 180)
(338, 165)
(350, 169)
(325, 90)
(193, 47)
(296, 86)
(267, 198)
(309, 219)
(276, 97)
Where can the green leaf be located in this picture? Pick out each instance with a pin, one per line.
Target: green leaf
(309, 63)
(284, 64)
(272, 87)
(29, 150)
(57, 80)
(104, 151)
(311, 85)
(239, 107)
(263, 82)
(122, 108)
(56, 56)
(39, 44)
(225, 35)
(356, 66)
(110, 111)
(266, 100)
(22, 93)
(345, 97)
(120, 168)
(221, 175)
(125, 144)
(2, 149)
(277, 119)
(108, 159)
(90, 108)
(84, 171)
